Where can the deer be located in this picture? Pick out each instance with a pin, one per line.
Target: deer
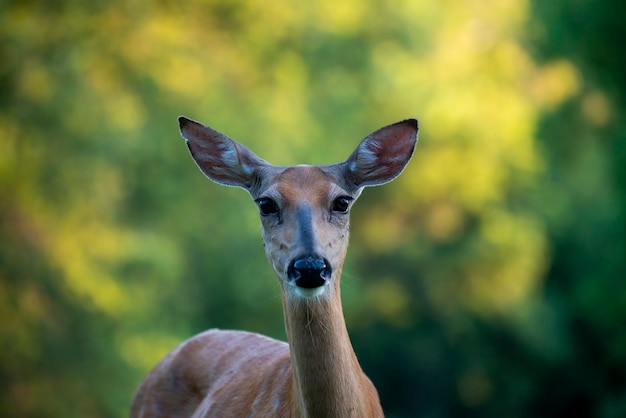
(304, 211)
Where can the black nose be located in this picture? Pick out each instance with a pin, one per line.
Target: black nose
(309, 271)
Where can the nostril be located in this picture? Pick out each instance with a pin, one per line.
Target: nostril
(309, 272)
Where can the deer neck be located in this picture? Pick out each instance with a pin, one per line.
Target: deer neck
(328, 380)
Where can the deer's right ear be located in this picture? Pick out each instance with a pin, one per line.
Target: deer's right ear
(220, 158)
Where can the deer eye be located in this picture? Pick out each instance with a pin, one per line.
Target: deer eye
(342, 204)
(266, 206)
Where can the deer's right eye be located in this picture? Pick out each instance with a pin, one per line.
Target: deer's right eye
(266, 206)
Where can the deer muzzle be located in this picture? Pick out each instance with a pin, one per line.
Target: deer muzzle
(309, 271)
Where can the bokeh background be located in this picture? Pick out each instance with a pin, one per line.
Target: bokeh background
(487, 281)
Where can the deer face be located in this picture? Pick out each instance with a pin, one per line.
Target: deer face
(305, 222)
(304, 209)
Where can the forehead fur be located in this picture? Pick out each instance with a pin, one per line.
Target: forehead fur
(302, 178)
(292, 180)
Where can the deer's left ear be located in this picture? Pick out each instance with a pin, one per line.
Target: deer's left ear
(383, 154)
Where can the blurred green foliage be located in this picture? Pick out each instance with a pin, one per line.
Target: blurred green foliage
(488, 280)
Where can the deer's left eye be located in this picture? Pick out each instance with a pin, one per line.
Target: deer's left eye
(342, 204)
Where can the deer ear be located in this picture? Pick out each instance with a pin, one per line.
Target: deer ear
(383, 154)
(220, 158)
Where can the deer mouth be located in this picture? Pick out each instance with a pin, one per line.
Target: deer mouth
(309, 272)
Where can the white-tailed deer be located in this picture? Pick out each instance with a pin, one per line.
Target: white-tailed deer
(304, 216)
